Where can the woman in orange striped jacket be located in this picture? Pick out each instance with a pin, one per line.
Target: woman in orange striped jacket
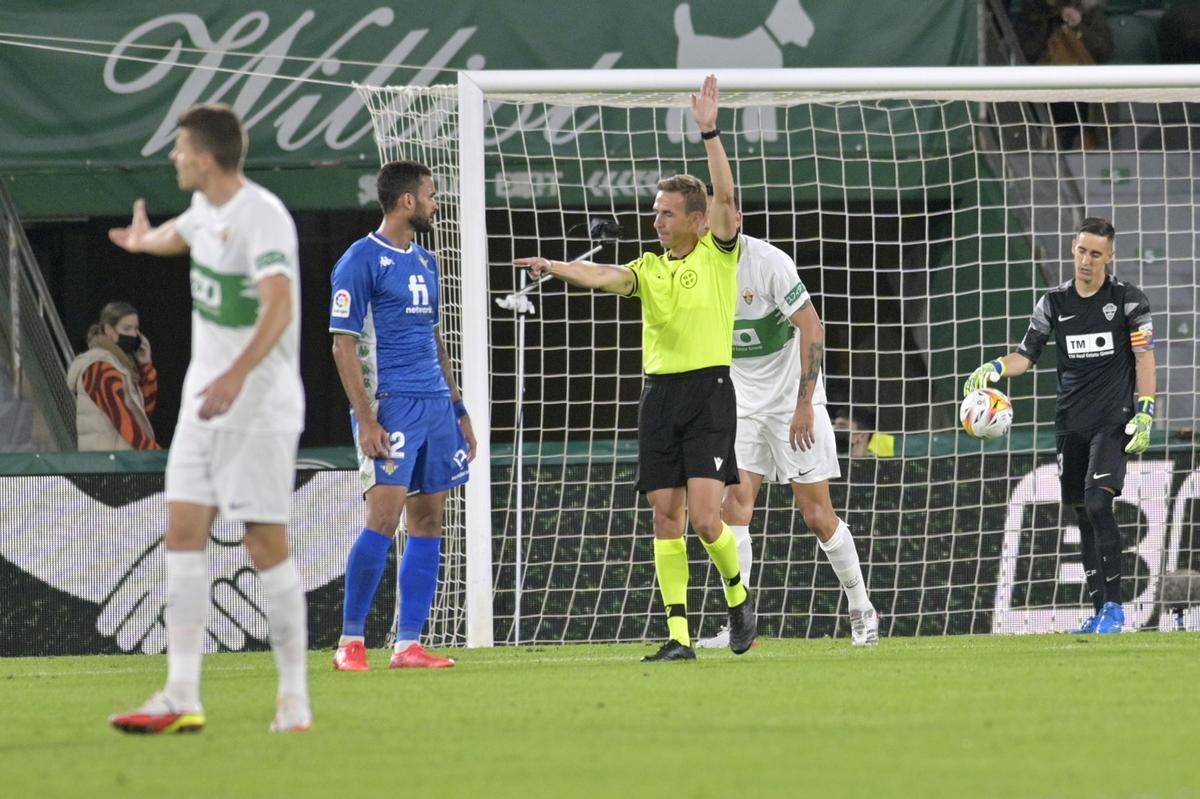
(115, 384)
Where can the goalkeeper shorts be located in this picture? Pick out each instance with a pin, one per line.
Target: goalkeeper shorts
(763, 447)
(1090, 460)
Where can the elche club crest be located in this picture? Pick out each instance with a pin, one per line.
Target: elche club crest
(1110, 310)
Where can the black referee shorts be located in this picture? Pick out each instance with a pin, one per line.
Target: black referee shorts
(1091, 459)
(687, 423)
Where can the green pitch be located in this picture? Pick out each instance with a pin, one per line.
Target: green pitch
(1033, 716)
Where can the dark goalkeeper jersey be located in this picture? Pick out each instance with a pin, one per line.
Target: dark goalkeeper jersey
(1096, 339)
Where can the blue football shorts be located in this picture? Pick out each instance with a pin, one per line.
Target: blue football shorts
(427, 451)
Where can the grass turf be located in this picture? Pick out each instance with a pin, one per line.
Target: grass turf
(1017, 716)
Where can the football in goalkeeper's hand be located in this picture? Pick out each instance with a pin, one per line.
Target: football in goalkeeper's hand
(986, 413)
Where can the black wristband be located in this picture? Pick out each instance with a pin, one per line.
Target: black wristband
(710, 134)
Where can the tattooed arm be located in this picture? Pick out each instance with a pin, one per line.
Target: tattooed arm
(812, 356)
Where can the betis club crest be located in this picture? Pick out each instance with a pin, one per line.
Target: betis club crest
(1110, 311)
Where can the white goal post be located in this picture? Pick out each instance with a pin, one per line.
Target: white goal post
(929, 205)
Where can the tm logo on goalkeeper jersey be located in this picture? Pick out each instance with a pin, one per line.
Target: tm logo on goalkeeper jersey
(1090, 345)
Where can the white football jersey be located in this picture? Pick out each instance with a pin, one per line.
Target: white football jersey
(766, 345)
(233, 246)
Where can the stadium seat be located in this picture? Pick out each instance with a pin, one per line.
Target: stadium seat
(1135, 38)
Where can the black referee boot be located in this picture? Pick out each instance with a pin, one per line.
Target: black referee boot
(742, 629)
(671, 650)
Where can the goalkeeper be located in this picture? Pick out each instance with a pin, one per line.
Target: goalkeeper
(1105, 350)
(688, 414)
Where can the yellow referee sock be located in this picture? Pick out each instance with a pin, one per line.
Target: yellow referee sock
(724, 554)
(671, 566)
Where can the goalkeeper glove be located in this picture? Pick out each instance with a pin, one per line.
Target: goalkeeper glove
(1139, 426)
(991, 371)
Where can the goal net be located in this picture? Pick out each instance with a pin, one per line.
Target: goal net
(926, 210)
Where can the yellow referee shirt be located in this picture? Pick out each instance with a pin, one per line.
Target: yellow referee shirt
(687, 307)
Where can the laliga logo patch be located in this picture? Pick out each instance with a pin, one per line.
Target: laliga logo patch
(1110, 311)
(341, 304)
(689, 279)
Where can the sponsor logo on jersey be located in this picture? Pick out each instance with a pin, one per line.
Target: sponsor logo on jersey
(1090, 345)
(420, 295)
(224, 299)
(270, 258)
(1110, 310)
(797, 293)
(341, 304)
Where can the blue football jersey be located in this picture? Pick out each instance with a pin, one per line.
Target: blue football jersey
(388, 299)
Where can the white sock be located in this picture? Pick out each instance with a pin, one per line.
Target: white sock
(349, 639)
(402, 644)
(741, 534)
(287, 615)
(844, 559)
(187, 607)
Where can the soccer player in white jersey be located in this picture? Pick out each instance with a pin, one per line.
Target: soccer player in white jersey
(412, 430)
(242, 412)
(783, 428)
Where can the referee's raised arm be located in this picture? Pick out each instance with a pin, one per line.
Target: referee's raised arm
(722, 214)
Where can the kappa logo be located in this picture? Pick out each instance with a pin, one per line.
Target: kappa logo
(385, 261)
(1110, 310)
(424, 261)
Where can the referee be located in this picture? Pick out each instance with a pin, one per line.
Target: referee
(688, 415)
(1105, 350)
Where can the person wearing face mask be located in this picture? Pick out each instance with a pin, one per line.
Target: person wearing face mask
(115, 384)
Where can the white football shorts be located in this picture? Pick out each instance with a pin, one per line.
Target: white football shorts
(247, 477)
(763, 448)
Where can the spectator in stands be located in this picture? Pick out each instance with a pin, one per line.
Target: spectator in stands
(1067, 32)
(852, 430)
(115, 384)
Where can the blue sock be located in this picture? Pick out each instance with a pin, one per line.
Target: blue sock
(417, 582)
(364, 567)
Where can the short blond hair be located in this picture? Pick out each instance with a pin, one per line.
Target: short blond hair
(695, 195)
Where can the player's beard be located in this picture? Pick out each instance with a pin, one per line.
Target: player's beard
(421, 224)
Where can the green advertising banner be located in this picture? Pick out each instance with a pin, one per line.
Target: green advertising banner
(92, 90)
